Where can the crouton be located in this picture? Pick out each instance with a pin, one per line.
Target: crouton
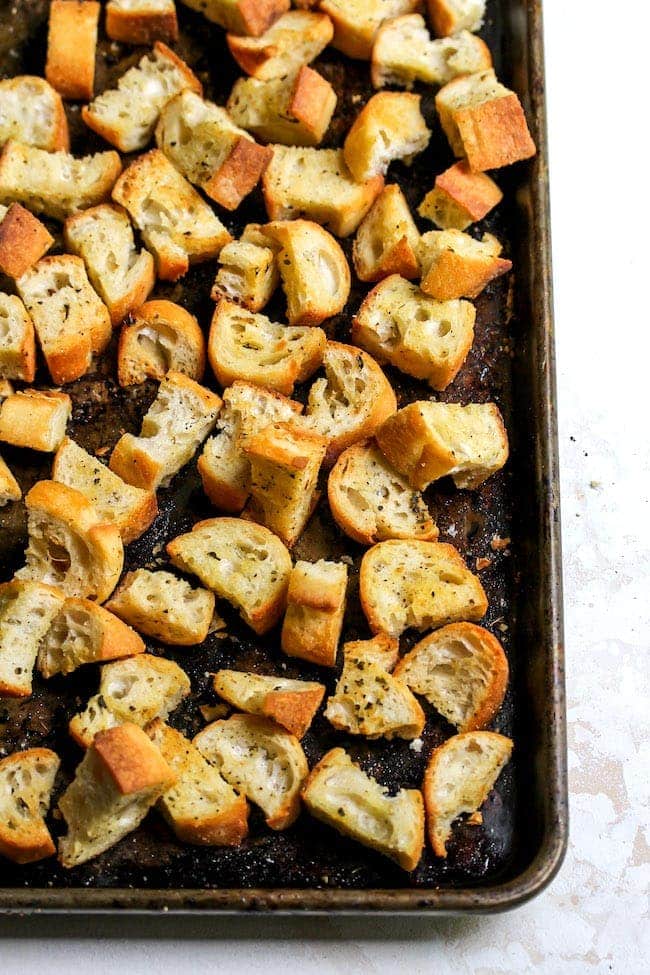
(119, 779)
(422, 337)
(382, 651)
(68, 543)
(71, 46)
(248, 274)
(26, 611)
(224, 466)
(26, 783)
(356, 22)
(420, 585)
(459, 198)
(262, 760)
(352, 402)
(201, 807)
(404, 53)
(83, 633)
(176, 224)
(284, 465)
(130, 509)
(460, 774)
(32, 112)
(126, 116)
(426, 441)
(241, 562)
(18, 348)
(390, 126)
(206, 146)
(55, 183)
(295, 39)
(251, 17)
(23, 241)
(249, 346)
(387, 239)
(294, 110)
(141, 21)
(317, 184)
(452, 16)
(164, 607)
(290, 703)
(9, 486)
(160, 336)
(455, 265)
(136, 689)
(484, 121)
(71, 321)
(345, 797)
(461, 670)
(315, 607)
(371, 502)
(35, 418)
(176, 423)
(103, 237)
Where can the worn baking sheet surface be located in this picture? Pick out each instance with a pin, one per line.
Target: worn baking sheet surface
(309, 866)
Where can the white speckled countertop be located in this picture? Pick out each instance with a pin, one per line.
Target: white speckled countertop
(593, 920)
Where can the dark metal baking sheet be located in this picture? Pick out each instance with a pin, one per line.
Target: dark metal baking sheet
(309, 867)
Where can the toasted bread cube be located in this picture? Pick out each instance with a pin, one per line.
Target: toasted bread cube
(296, 38)
(26, 783)
(484, 121)
(423, 337)
(317, 184)
(290, 703)
(426, 441)
(176, 423)
(390, 126)
(294, 110)
(241, 562)
(284, 465)
(68, 543)
(387, 240)
(201, 807)
(224, 466)
(137, 689)
(129, 508)
(381, 650)
(251, 17)
(356, 22)
(23, 241)
(35, 418)
(420, 585)
(55, 183)
(342, 795)
(461, 670)
(18, 344)
(206, 146)
(71, 321)
(164, 607)
(315, 607)
(9, 486)
(126, 116)
(160, 336)
(32, 112)
(141, 21)
(262, 760)
(314, 270)
(455, 265)
(26, 611)
(460, 198)
(176, 224)
(249, 346)
(351, 402)
(71, 45)
(119, 779)
(460, 774)
(371, 502)
(452, 16)
(404, 53)
(248, 274)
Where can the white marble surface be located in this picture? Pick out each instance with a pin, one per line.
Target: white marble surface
(593, 919)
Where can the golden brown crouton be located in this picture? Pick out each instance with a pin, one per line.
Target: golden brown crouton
(26, 783)
(455, 265)
(460, 197)
(23, 241)
(141, 21)
(315, 608)
(297, 38)
(71, 44)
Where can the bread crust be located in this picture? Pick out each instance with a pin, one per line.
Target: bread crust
(133, 365)
(71, 44)
(239, 174)
(23, 241)
(141, 27)
(468, 196)
(35, 419)
(131, 759)
(28, 841)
